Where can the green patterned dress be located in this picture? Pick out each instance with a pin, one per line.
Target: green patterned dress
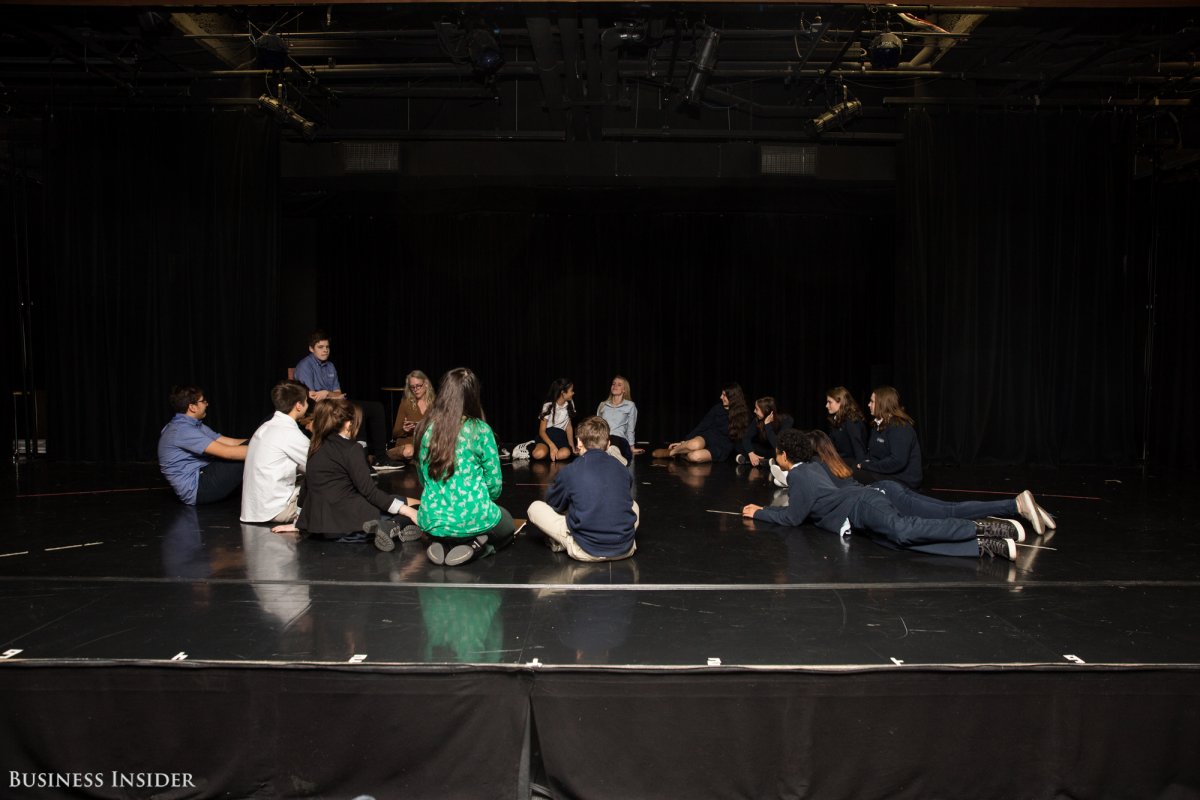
(463, 504)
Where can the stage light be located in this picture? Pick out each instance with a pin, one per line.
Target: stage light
(271, 52)
(885, 49)
(838, 115)
(484, 52)
(288, 116)
(706, 59)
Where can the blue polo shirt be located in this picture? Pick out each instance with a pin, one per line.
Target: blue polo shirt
(181, 454)
(317, 376)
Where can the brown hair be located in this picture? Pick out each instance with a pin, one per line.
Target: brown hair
(330, 416)
(848, 410)
(593, 432)
(457, 400)
(827, 454)
(317, 336)
(888, 409)
(739, 414)
(286, 394)
(183, 396)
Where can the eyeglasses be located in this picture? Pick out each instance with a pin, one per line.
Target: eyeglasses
(415, 386)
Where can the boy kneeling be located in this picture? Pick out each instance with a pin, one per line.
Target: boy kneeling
(589, 509)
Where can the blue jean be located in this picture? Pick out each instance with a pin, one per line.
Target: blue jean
(915, 504)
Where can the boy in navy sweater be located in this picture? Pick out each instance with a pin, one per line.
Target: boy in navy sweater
(589, 509)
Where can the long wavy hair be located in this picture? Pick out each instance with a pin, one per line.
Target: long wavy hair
(739, 412)
(328, 419)
(557, 387)
(888, 409)
(767, 406)
(457, 401)
(848, 410)
(822, 449)
(430, 394)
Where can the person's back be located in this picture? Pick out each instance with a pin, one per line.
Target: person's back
(277, 452)
(596, 491)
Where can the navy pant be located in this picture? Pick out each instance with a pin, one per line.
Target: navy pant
(621, 444)
(874, 512)
(218, 480)
(915, 504)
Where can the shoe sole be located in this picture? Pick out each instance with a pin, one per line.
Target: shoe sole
(409, 533)
(459, 554)
(1046, 518)
(436, 553)
(1027, 507)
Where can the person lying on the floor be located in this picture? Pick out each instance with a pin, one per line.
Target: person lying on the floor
(201, 465)
(342, 502)
(589, 509)
(275, 458)
(813, 494)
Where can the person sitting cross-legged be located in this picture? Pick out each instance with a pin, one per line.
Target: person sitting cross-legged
(589, 509)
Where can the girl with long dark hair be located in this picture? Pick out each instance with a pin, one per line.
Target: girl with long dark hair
(893, 451)
(714, 438)
(847, 428)
(342, 501)
(556, 434)
(460, 469)
(758, 445)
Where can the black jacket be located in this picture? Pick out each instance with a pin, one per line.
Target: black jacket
(341, 495)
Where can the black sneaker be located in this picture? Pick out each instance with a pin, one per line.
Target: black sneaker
(741, 459)
(997, 548)
(409, 533)
(998, 528)
(382, 535)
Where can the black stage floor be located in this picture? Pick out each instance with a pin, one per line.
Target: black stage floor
(102, 566)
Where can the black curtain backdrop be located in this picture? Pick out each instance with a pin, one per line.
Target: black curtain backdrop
(1021, 318)
(787, 304)
(163, 239)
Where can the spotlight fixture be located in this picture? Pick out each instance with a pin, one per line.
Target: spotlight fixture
(483, 51)
(271, 52)
(288, 116)
(884, 52)
(702, 67)
(837, 115)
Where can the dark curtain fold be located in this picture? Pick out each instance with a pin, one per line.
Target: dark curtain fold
(679, 303)
(1020, 304)
(163, 250)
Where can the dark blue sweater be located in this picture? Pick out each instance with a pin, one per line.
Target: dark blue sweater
(769, 436)
(595, 493)
(812, 493)
(895, 452)
(850, 440)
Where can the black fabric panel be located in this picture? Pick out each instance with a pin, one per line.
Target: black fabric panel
(970, 734)
(163, 245)
(787, 304)
(1021, 310)
(251, 733)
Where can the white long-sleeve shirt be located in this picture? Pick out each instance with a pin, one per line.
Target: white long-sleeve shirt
(277, 453)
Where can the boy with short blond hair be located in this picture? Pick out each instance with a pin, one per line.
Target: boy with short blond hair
(589, 509)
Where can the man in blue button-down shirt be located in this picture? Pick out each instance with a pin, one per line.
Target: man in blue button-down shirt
(201, 465)
(317, 372)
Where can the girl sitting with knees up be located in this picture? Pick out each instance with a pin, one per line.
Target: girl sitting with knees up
(556, 436)
(762, 437)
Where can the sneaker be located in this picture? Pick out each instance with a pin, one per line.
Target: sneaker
(462, 553)
(997, 528)
(382, 535)
(1027, 507)
(778, 476)
(436, 553)
(352, 538)
(504, 453)
(615, 452)
(521, 451)
(741, 459)
(409, 533)
(997, 548)
(385, 464)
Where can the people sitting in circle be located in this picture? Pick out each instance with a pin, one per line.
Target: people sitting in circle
(319, 374)
(418, 397)
(820, 487)
(762, 437)
(201, 465)
(341, 500)
(846, 426)
(275, 459)
(715, 437)
(589, 509)
(460, 470)
(556, 435)
(893, 451)
(620, 413)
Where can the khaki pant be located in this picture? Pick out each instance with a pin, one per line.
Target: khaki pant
(554, 525)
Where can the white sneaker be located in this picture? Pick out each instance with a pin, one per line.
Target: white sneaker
(778, 476)
(615, 452)
(521, 451)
